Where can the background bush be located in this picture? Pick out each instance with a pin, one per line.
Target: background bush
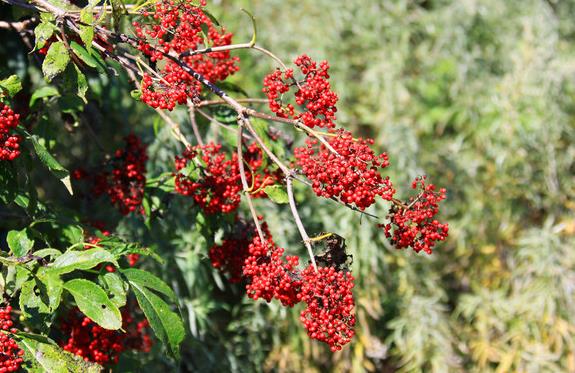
(478, 95)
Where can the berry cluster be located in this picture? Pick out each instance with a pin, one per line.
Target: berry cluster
(179, 27)
(352, 175)
(413, 225)
(210, 177)
(9, 143)
(213, 178)
(329, 315)
(269, 275)
(124, 184)
(314, 93)
(86, 339)
(10, 353)
(230, 256)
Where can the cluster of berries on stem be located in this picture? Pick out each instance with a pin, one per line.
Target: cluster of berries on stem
(413, 224)
(9, 142)
(313, 93)
(85, 338)
(10, 353)
(180, 27)
(350, 170)
(212, 177)
(124, 176)
(269, 274)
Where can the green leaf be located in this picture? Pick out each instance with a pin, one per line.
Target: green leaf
(56, 60)
(94, 303)
(165, 323)
(87, 30)
(83, 54)
(11, 85)
(74, 233)
(211, 17)
(277, 193)
(40, 297)
(120, 248)
(19, 242)
(148, 280)
(136, 94)
(42, 33)
(47, 17)
(115, 286)
(43, 92)
(43, 355)
(51, 163)
(81, 260)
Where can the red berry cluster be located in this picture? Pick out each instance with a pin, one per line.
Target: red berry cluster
(413, 225)
(217, 185)
(213, 178)
(329, 315)
(230, 256)
(314, 93)
(9, 143)
(269, 275)
(175, 27)
(85, 338)
(124, 184)
(10, 353)
(352, 175)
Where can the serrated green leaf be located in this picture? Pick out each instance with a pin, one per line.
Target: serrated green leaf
(277, 193)
(166, 324)
(10, 85)
(81, 260)
(51, 163)
(42, 33)
(116, 287)
(19, 242)
(41, 354)
(55, 61)
(94, 303)
(43, 92)
(148, 280)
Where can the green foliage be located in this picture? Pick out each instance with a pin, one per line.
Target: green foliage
(478, 95)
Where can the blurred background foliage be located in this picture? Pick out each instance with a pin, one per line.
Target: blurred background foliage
(477, 94)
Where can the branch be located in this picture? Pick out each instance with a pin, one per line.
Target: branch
(245, 185)
(300, 227)
(192, 111)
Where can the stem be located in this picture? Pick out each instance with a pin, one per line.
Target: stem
(240, 100)
(300, 227)
(245, 185)
(270, 154)
(192, 110)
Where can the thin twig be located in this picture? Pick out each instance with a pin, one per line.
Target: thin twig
(300, 227)
(245, 185)
(192, 111)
